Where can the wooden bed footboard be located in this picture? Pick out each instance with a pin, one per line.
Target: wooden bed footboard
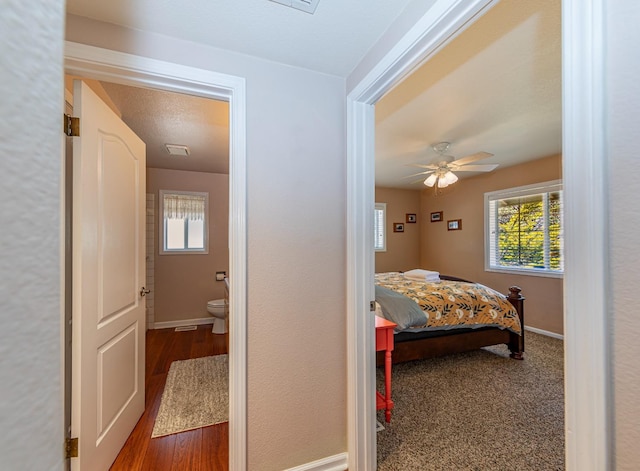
(448, 342)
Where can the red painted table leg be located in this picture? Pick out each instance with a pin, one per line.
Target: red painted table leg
(384, 342)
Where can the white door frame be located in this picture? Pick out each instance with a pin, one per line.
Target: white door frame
(104, 64)
(588, 413)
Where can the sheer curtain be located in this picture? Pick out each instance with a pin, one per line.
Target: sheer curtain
(184, 207)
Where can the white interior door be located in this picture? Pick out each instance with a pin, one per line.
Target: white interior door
(107, 390)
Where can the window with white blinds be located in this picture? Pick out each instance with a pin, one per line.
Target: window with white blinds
(379, 227)
(524, 230)
(183, 222)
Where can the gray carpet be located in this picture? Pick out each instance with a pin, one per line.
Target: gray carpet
(477, 411)
(196, 394)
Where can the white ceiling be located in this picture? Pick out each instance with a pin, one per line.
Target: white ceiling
(494, 88)
(333, 40)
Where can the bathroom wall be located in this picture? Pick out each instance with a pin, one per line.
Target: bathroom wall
(184, 283)
(150, 261)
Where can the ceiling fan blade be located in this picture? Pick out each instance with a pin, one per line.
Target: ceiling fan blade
(476, 168)
(420, 173)
(416, 181)
(470, 158)
(429, 166)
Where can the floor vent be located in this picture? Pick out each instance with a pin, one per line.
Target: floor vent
(184, 328)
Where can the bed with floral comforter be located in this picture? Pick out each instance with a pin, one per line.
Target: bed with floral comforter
(448, 316)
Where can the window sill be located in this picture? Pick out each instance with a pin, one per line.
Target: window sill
(515, 271)
(183, 252)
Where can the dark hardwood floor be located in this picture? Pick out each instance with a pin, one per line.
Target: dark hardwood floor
(196, 450)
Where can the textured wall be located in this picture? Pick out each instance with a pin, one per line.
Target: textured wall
(185, 283)
(31, 97)
(623, 108)
(461, 253)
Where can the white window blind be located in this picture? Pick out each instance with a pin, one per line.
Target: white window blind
(379, 227)
(524, 229)
(183, 222)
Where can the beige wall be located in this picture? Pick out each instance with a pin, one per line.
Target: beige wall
(184, 283)
(461, 253)
(403, 248)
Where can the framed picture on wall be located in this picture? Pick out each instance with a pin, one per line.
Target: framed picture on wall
(454, 225)
(436, 216)
(411, 218)
(398, 227)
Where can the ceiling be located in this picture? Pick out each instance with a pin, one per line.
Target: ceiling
(333, 40)
(160, 117)
(495, 88)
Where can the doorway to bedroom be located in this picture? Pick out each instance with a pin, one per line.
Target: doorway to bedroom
(495, 88)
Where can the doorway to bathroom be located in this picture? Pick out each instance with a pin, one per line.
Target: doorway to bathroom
(194, 336)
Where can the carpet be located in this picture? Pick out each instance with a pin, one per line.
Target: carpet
(196, 394)
(478, 411)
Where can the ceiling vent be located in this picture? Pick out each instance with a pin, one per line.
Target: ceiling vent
(174, 149)
(308, 6)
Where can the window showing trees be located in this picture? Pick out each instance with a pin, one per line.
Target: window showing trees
(524, 229)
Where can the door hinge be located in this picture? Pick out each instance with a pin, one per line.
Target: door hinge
(71, 448)
(372, 306)
(71, 125)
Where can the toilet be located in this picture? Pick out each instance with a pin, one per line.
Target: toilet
(216, 309)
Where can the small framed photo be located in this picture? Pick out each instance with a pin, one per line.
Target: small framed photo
(436, 217)
(454, 225)
(398, 227)
(411, 218)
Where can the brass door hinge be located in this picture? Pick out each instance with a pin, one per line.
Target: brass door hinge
(71, 125)
(71, 448)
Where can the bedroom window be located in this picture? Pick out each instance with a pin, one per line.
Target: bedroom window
(379, 227)
(523, 230)
(184, 222)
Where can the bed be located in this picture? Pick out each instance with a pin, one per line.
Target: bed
(448, 315)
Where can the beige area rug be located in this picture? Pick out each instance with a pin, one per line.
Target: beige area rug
(195, 395)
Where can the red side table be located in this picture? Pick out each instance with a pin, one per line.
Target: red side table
(384, 342)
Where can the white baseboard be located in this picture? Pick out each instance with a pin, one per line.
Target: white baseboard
(544, 332)
(182, 323)
(331, 463)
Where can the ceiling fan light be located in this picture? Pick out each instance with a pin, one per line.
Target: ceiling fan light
(442, 182)
(431, 180)
(450, 178)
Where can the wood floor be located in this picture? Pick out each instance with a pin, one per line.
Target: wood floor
(196, 450)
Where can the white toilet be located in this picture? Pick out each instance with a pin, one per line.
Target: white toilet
(216, 309)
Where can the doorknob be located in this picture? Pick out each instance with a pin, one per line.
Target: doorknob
(144, 291)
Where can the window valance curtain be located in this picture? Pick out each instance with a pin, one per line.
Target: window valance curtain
(184, 207)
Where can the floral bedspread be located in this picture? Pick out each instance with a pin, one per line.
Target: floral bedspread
(447, 304)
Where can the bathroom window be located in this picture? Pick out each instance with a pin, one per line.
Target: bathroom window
(184, 224)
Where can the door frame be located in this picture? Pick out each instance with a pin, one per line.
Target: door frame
(129, 69)
(588, 409)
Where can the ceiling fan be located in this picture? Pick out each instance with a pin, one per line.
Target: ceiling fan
(441, 173)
